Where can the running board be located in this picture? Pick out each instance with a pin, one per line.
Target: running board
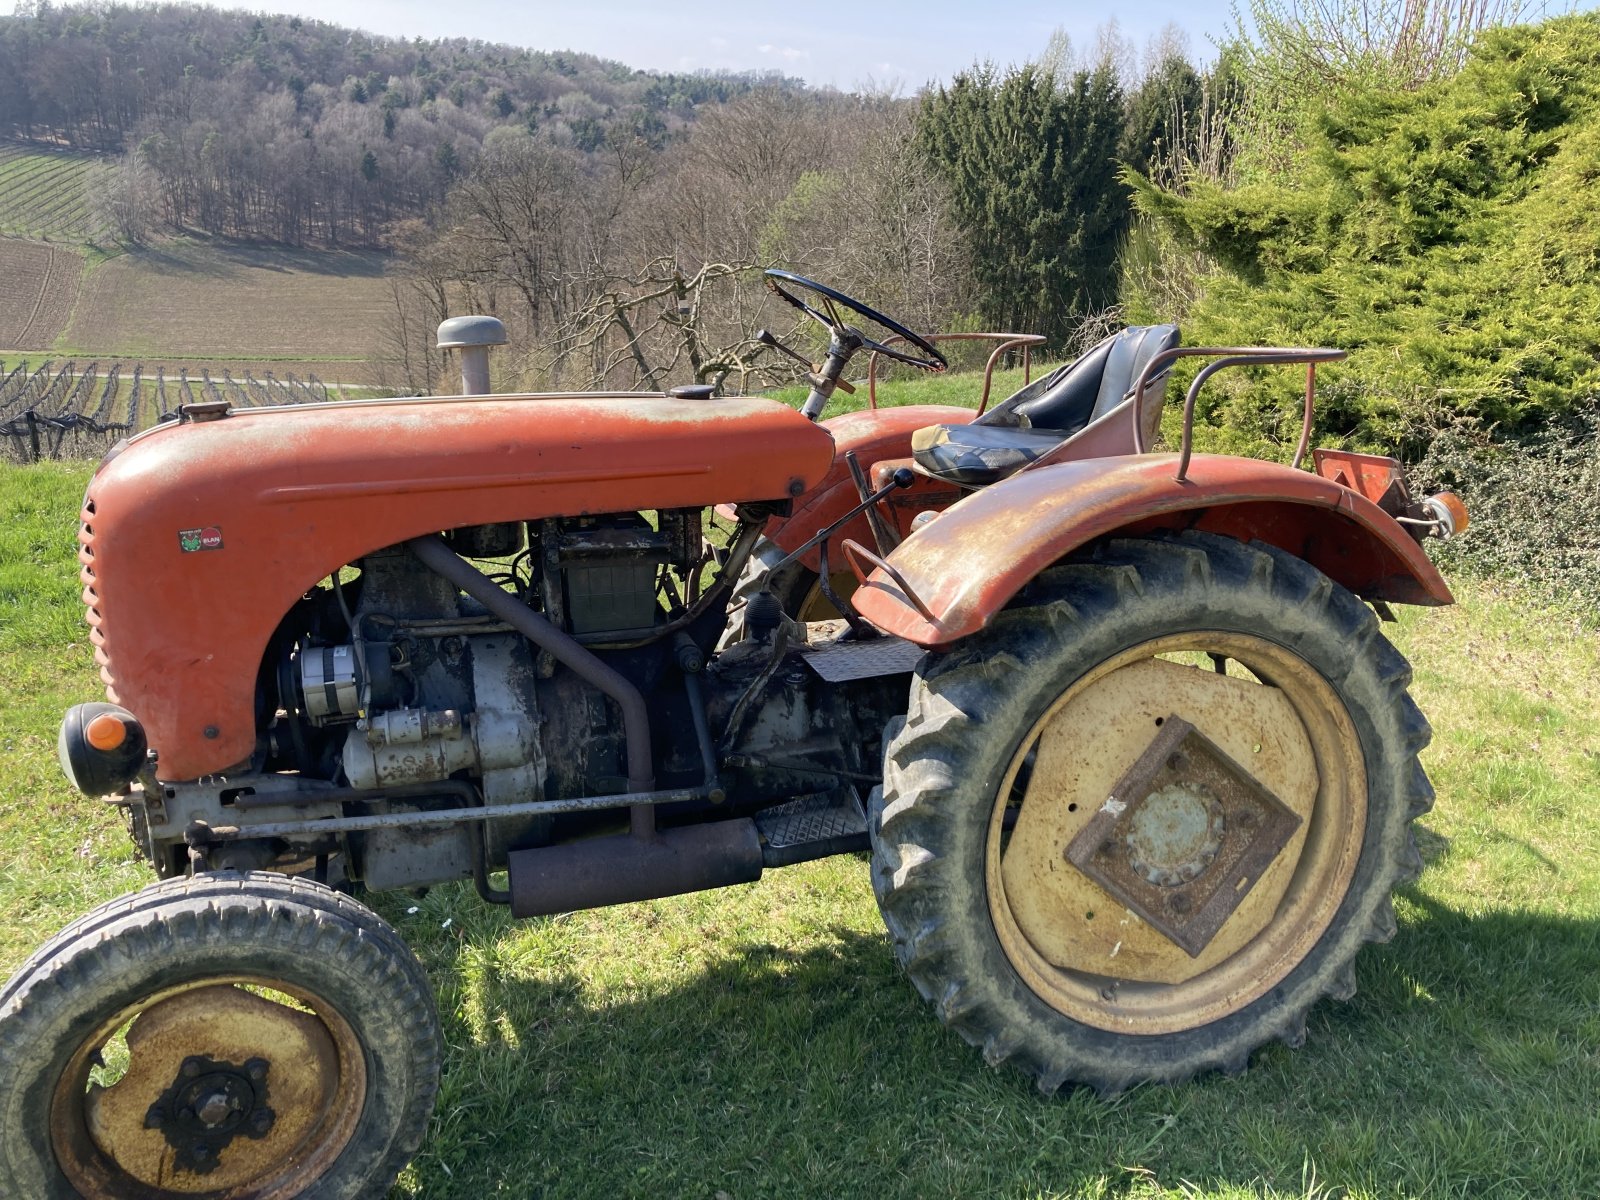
(810, 827)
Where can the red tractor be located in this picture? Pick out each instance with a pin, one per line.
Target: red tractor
(1135, 766)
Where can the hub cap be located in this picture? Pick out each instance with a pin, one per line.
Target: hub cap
(211, 1088)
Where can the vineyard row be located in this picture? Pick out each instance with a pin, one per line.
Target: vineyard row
(62, 410)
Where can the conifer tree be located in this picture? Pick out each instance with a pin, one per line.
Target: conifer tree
(1030, 160)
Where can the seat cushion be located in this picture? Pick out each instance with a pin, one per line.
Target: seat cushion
(1089, 387)
(1074, 400)
(975, 455)
(1062, 400)
(1131, 351)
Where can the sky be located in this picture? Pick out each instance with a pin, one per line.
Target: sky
(894, 44)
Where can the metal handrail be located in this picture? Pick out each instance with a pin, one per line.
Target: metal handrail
(1008, 341)
(854, 551)
(1229, 356)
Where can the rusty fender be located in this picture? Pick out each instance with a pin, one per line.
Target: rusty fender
(966, 565)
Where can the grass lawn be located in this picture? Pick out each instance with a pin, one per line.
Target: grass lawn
(761, 1042)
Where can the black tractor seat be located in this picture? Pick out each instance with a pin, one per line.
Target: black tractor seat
(1082, 400)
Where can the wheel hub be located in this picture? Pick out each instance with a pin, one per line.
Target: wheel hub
(1079, 939)
(207, 1106)
(1184, 837)
(1175, 834)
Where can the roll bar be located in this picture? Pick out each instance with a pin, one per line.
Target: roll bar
(1229, 356)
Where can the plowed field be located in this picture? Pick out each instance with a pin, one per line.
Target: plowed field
(38, 284)
(211, 300)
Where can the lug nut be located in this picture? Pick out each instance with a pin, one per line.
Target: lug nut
(191, 1067)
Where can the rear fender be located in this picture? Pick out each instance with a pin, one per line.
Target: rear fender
(874, 435)
(966, 566)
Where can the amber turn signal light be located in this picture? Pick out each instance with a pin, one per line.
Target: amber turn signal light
(1449, 511)
(102, 748)
(105, 732)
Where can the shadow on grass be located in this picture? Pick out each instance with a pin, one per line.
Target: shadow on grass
(1467, 1065)
(220, 258)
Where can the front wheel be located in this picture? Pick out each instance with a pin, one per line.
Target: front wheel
(238, 1034)
(1137, 827)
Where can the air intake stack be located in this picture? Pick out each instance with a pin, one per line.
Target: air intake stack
(472, 336)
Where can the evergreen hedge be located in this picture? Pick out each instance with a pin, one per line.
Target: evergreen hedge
(1449, 237)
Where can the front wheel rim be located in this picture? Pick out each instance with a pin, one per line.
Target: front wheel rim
(236, 1085)
(1064, 934)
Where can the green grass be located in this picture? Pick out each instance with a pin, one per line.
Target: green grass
(959, 387)
(761, 1041)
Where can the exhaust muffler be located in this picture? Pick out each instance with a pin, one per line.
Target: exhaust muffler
(628, 867)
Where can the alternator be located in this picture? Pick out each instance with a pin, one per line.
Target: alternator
(328, 682)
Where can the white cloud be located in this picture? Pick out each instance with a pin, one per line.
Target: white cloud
(791, 53)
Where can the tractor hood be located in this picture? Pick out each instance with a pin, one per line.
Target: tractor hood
(198, 536)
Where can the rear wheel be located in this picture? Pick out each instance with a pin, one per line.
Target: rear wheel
(1139, 825)
(237, 1033)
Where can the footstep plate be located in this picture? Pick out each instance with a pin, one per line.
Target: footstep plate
(839, 662)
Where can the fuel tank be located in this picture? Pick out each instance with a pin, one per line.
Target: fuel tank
(198, 536)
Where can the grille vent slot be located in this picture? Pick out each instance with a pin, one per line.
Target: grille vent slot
(91, 595)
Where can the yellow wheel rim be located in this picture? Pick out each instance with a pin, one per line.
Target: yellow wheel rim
(231, 1086)
(1090, 956)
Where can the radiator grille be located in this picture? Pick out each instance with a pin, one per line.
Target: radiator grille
(91, 597)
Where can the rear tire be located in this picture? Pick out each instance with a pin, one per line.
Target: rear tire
(296, 1013)
(998, 929)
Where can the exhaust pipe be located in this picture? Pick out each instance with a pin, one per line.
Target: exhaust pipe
(625, 868)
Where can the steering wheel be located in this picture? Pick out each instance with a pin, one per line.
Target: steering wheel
(830, 319)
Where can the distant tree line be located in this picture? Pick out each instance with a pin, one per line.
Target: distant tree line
(617, 219)
(301, 131)
(993, 202)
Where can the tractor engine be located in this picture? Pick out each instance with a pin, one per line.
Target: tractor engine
(398, 684)
(405, 694)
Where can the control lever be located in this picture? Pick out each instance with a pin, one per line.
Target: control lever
(764, 336)
(902, 478)
(886, 538)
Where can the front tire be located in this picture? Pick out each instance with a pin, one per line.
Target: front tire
(996, 785)
(239, 1032)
